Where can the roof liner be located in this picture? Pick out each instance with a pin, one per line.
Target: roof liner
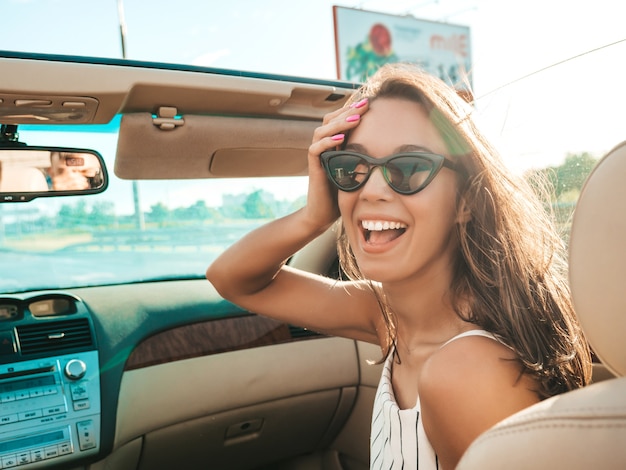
(127, 87)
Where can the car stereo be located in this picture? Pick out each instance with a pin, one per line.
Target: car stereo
(49, 382)
(49, 410)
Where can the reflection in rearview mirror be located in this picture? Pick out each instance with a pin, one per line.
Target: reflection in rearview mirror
(30, 172)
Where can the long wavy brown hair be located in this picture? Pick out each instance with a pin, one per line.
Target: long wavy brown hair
(510, 274)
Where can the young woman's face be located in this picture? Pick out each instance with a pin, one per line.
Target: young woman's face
(398, 237)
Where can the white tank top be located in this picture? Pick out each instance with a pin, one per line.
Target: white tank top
(398, 440)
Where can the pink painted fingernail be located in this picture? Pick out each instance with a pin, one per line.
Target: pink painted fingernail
(361, 103)
(353, 118)
(338, 137)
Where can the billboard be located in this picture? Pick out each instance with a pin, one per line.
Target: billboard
(365, 40)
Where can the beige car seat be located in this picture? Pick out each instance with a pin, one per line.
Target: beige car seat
(585, 428)
(22, 179)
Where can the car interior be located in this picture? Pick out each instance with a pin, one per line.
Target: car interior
(167, 374)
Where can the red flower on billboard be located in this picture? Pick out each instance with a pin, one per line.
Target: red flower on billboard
(366, 57)
(380, 39)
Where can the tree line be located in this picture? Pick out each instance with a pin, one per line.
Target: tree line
(101, 214)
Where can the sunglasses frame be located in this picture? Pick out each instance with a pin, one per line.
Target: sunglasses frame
(439, 162)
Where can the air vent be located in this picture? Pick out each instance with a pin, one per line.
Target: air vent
(298, 332)
(54, 336)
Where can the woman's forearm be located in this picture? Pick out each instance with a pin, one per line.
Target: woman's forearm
(250, 264)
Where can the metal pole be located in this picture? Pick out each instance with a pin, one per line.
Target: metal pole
(139, 219)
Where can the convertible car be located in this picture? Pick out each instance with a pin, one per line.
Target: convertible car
(120, 182)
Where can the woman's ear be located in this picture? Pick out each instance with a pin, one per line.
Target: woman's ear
(464, 214)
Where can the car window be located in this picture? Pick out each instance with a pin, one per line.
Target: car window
(546, 78)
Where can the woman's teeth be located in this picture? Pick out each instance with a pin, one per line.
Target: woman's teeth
(379, 225)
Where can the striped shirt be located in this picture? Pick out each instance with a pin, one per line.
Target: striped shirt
(398, 440)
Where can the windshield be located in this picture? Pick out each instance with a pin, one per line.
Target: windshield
(546, 78)
(136, 230)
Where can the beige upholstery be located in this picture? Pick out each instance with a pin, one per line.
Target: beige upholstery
(586, 428)
(22, 179)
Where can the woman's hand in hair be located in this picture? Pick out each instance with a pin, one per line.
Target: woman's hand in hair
(321, 208)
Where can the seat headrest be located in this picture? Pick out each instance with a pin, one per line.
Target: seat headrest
(597, 259)
(22, 179)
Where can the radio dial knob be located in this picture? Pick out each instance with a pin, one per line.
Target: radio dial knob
(75, 369)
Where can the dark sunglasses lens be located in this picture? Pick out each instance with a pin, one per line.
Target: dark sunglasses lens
(409, 174)
(348, 171)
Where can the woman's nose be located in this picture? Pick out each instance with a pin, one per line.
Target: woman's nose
(376, 186)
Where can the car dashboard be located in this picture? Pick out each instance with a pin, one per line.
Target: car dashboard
(168, 374)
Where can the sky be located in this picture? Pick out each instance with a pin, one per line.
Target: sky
(296, 37)
(534, 121)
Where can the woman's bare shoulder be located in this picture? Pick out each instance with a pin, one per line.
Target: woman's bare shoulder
(466, 387)
(479, 361)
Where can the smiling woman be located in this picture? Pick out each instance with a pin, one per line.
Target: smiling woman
(450, 281)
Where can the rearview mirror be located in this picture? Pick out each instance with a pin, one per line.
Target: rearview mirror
(30, 172)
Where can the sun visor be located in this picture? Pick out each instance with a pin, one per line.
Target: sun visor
(211, 147)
